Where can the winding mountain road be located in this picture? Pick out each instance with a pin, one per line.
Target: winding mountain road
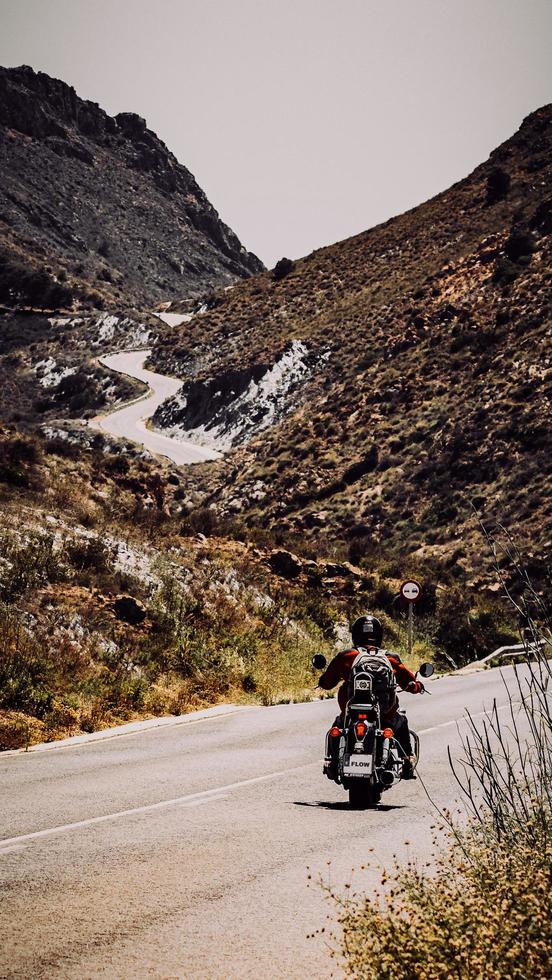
(129, 422)
(194, 850)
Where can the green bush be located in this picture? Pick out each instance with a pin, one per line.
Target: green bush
(89, 554)
(27, 564)
(19, 458)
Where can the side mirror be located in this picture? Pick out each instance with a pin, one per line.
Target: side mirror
(319, 661)
(426, 670)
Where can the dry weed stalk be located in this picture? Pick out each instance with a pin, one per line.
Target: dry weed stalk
(505, 771)
(486, 908)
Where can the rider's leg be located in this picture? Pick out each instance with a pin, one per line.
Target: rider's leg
(402, 734)
(332, 749)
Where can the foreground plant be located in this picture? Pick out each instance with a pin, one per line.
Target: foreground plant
(486, 912)
(485, 909)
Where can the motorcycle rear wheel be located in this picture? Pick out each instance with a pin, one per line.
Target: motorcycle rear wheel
(363, 794)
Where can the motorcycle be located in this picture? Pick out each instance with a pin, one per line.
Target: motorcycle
(369, 760)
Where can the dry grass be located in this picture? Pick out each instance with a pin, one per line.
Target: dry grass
(486, 912)
(435, 363)
(485, 909)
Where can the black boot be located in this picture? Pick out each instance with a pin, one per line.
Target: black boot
(330, 769)
(408, 769)
(402, 734)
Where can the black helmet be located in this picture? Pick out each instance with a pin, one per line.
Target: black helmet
(367, 631)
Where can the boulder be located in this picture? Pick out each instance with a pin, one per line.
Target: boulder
(285, 563)
(342, 569)
(129, 610)
(312, 569)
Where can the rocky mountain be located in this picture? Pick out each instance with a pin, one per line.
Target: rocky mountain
(96, 210)
(420, 390)
(372, 400)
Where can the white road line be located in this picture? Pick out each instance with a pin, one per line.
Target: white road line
(426, 731)
(212, 799)
(191, 798)
(456, 721)
(90, 821)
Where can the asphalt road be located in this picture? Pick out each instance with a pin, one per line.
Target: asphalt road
(186, 851)
(129, 422)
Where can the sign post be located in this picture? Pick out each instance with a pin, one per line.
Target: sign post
(410, 592)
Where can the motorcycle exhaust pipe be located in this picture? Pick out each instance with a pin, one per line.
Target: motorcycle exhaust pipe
(387, 778)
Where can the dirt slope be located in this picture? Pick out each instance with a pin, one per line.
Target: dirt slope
(430, 394)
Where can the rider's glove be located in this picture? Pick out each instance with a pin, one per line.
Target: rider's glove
(413, 687)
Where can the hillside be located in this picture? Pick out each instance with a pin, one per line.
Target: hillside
(419, 389)
(373, 401)
(96, 210)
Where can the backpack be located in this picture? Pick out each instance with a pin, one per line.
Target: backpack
(372, 673)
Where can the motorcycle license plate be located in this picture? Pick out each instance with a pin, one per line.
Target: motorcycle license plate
(358, 765)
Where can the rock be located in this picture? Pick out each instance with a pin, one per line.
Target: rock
(151, 206)
(493, 587)
(285, 563)
(542, 218)
(132, 125)
(342, 569)
(129, 609)
(312, 568)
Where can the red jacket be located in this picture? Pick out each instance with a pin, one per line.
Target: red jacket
(340, 668)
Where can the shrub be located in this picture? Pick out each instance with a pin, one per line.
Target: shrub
(27, 564)
(117, 464)
(465, 632)
(24, 284)
(18, 460)
(65, 448)
(486, 913)
(202, 520)
(487, 909)
(519, 245)
(498, 185)
(18, 730)
(89, 554)
(79, 391)
(24, 668)
(282, 269)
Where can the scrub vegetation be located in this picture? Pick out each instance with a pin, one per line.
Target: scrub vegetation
(131, 587)
(119, 600)
(485, 908)
(432, 401)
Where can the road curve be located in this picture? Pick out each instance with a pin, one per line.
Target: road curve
(186, 851)
(129, 422)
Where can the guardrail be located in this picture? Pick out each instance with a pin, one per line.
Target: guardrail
(512, 651)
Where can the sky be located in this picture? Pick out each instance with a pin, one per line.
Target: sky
(305, 121)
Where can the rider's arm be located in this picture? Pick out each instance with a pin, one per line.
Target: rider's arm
(406, 679)
(333, 673)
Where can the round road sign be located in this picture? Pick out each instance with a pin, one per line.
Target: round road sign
(411, 591)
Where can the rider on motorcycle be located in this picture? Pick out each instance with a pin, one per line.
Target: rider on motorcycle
(367, 632)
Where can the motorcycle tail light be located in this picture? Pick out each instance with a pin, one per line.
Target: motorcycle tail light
(388, 733)
(335, 731)
(363, 716)
(360, 729)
